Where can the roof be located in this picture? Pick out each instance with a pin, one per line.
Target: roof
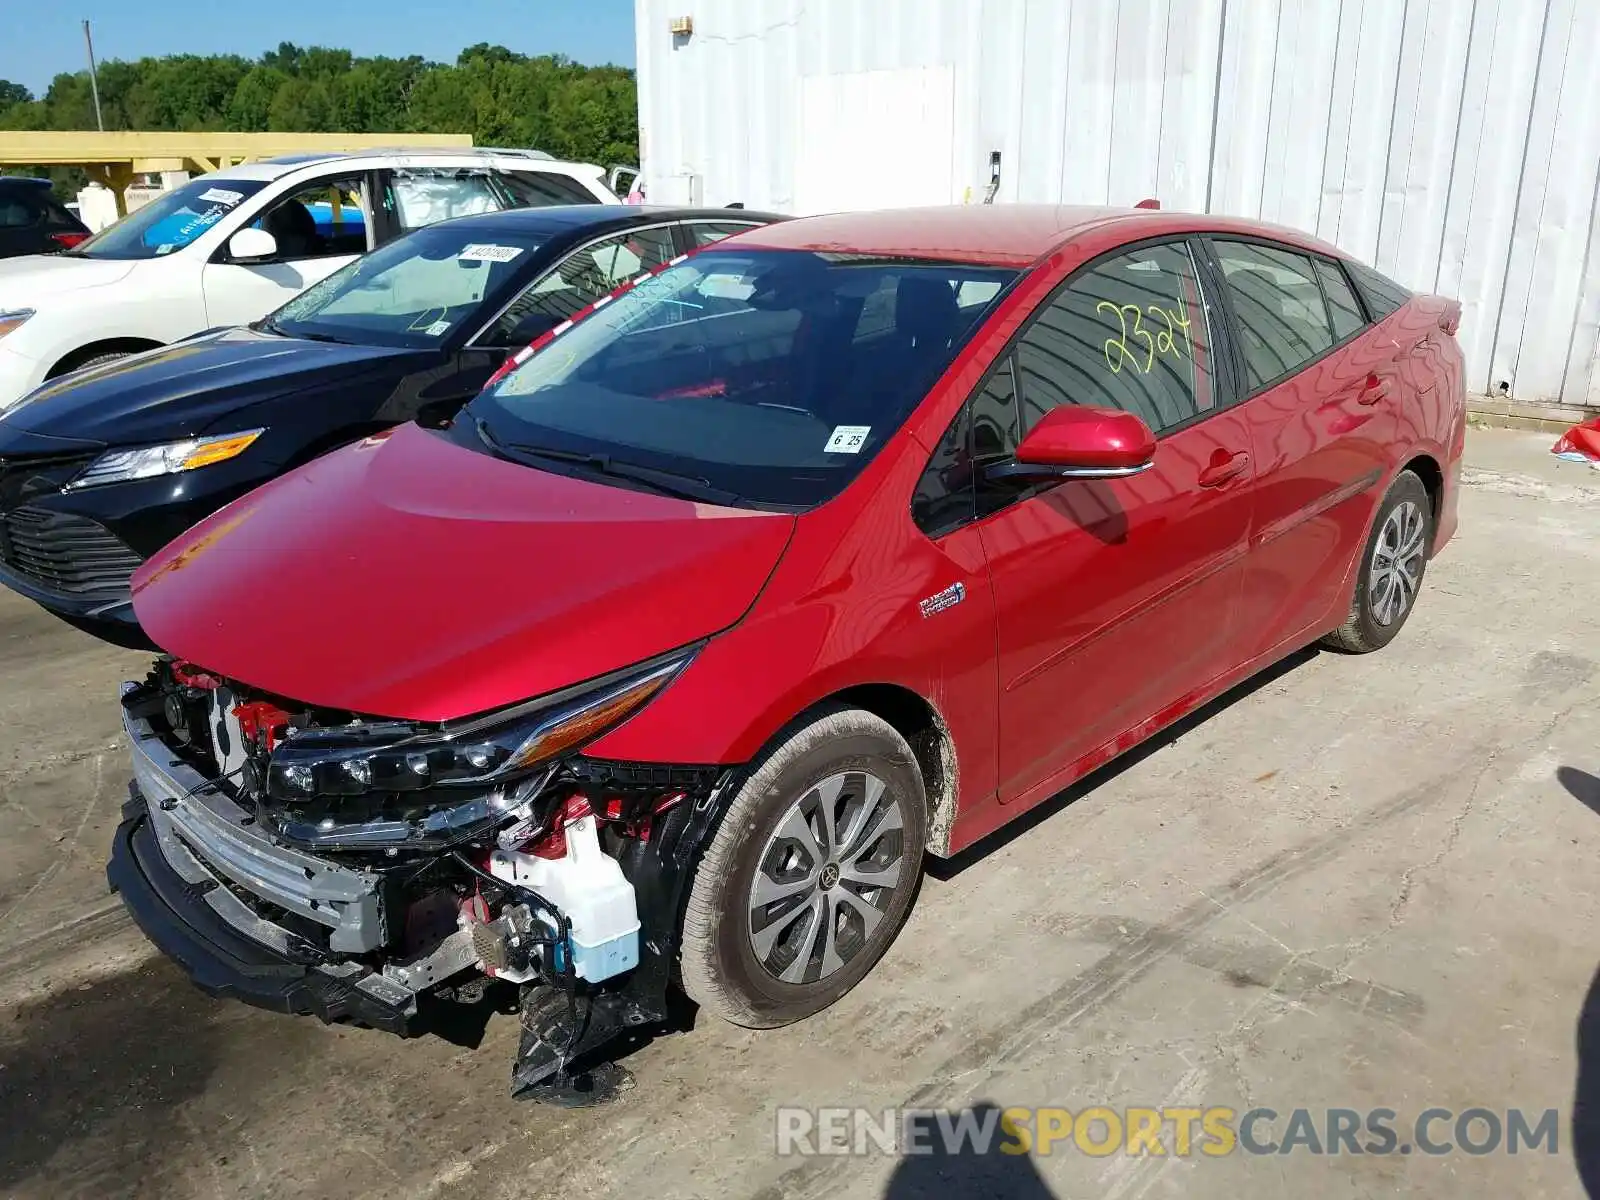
(276, 168)
(1013, 235)
(1002, 234)
(561, 218)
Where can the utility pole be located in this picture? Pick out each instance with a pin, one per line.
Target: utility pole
(94, 83)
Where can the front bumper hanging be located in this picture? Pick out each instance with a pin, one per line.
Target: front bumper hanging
(251, 918)
(221, 961)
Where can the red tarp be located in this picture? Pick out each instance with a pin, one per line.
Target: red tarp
(1581, 443)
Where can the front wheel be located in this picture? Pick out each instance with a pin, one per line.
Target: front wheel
(810, 875)
(96, 361)
(1392, 566)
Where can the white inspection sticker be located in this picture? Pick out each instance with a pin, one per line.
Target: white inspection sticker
(487, 252)
(437, 329)
(221, 196)
(848, 439)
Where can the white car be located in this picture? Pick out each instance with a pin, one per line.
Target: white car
(229, 247)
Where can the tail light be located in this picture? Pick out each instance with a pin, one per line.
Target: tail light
(1451, 320)
(68, 240)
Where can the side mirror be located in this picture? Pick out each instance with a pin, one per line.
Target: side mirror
(252, 245)
(1072, 442)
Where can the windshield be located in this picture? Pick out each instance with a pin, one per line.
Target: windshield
(414, 292)
(171, 221)
(770, 375)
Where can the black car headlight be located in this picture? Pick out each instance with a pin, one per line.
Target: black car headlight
(499, 747)
(169, 458)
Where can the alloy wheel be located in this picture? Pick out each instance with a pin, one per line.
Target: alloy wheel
(827, 876)
(1397, 560)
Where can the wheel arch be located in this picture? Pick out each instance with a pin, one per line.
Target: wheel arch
(916, 719)
(1426, 467)
(73, 359)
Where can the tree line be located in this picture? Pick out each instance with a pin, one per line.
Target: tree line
(546, 102)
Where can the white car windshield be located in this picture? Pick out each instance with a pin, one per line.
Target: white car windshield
(171, 221)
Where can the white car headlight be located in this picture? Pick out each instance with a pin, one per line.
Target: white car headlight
(146, 462)
(13, 318)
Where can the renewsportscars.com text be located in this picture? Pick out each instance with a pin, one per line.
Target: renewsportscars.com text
(1178, 1131)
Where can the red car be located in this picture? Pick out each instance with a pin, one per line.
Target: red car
(837, 544)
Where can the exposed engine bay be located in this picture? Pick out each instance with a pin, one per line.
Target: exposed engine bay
(322, 862)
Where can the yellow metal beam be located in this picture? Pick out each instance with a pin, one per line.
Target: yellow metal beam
(40, 148)
(117, 177)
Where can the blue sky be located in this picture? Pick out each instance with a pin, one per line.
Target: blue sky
(38, 40)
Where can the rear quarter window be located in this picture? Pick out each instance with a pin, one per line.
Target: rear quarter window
(537, 189)
(1382, 294)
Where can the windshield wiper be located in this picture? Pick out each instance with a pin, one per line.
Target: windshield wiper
(668, 483)
(268, 325)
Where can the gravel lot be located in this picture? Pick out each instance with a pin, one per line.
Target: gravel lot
(1355, 882)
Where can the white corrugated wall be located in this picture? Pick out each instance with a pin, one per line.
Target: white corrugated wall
(1454, 144)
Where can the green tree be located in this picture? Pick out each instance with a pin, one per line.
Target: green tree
(250, 107)
(499, 96)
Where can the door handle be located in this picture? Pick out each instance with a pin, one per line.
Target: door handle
(1223, 469)
(1374, 390)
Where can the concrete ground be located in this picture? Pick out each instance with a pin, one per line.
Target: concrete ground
(1359, 882)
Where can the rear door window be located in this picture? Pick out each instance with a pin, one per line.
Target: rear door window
(419, 196)
(1278, 308)
(1344, 310)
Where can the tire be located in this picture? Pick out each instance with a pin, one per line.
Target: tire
(1378, 611)
(830, 763)
(95, 361)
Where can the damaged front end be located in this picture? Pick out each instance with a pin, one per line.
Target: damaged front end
(319, 862)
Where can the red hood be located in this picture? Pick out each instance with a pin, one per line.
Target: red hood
(413, 578)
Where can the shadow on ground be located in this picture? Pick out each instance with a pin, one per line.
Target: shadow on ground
(1585, 788)
(949, 1169)
(110, 1063)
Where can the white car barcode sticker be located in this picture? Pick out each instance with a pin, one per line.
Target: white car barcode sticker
(437, 329)
(486, 252)
(221, 196)
(848, 439)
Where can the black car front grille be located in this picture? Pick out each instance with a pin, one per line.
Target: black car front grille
(65, 553)
(22, 476)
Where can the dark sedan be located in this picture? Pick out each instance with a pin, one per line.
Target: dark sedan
(100, 469)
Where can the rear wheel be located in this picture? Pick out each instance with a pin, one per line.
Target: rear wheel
(810, 875)
(1392, 567)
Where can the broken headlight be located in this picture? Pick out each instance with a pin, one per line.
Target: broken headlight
(395, 757)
